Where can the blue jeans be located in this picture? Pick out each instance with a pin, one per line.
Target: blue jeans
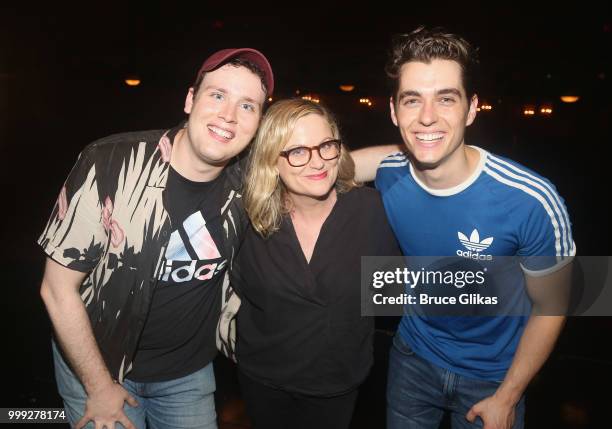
(418, 393)
(186, 402)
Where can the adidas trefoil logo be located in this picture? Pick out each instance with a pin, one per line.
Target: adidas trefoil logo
(474, 244)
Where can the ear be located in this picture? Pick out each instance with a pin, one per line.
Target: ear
(392, 109)
(472, 111)
(189, 101)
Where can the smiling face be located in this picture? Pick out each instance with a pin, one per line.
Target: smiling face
(432, 111)
(317, 178)
(223, 115)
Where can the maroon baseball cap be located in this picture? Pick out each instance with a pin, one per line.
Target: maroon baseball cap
(253, 55)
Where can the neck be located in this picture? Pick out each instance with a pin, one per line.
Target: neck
(309, 208)
(188, 164)
(452, 171)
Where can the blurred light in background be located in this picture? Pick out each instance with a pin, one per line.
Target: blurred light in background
(546, 110)
(313, 98)
(569, 98)
(528, 111)
(132, 81)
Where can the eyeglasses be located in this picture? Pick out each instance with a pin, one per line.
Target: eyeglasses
(301, 155)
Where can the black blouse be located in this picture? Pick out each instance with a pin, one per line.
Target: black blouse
(299, 325)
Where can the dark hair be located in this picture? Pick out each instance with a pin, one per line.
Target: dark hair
(236, 62)
(425, 45)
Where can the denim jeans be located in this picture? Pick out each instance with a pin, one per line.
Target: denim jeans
(186, 402)
(418, 393)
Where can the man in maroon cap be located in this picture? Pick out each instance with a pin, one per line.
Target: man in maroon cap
(138, 244)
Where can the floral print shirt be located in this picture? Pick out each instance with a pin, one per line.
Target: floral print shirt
(110, 221)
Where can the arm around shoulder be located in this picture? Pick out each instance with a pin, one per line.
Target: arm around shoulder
(368, 159)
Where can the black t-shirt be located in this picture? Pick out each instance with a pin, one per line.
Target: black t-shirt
(300, 327)
(179, 335)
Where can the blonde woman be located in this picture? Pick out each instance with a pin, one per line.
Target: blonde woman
(303, 348)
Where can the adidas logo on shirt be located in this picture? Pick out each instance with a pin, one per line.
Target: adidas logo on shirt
(474, 246)
(180, 267)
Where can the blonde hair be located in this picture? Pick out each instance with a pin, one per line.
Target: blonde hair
(265, 196)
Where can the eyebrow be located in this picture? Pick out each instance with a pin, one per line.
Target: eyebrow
(216, 88)
(444, 91)
(250, 100)
(405, 94)
(332, 139)
(224, 91)
(452, 91)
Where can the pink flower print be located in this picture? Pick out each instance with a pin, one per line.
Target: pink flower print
(165, 148)
(62, 202)
(107, 211)
(117, 234)
(110, 224)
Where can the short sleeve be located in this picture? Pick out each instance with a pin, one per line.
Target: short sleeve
(546, 236)
(390, 170)
(74, 235)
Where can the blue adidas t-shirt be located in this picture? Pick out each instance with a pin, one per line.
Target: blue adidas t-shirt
(502, 209)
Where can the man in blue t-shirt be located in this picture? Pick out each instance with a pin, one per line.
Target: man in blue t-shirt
(446, 198)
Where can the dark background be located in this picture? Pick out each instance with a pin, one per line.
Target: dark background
(62, 71)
